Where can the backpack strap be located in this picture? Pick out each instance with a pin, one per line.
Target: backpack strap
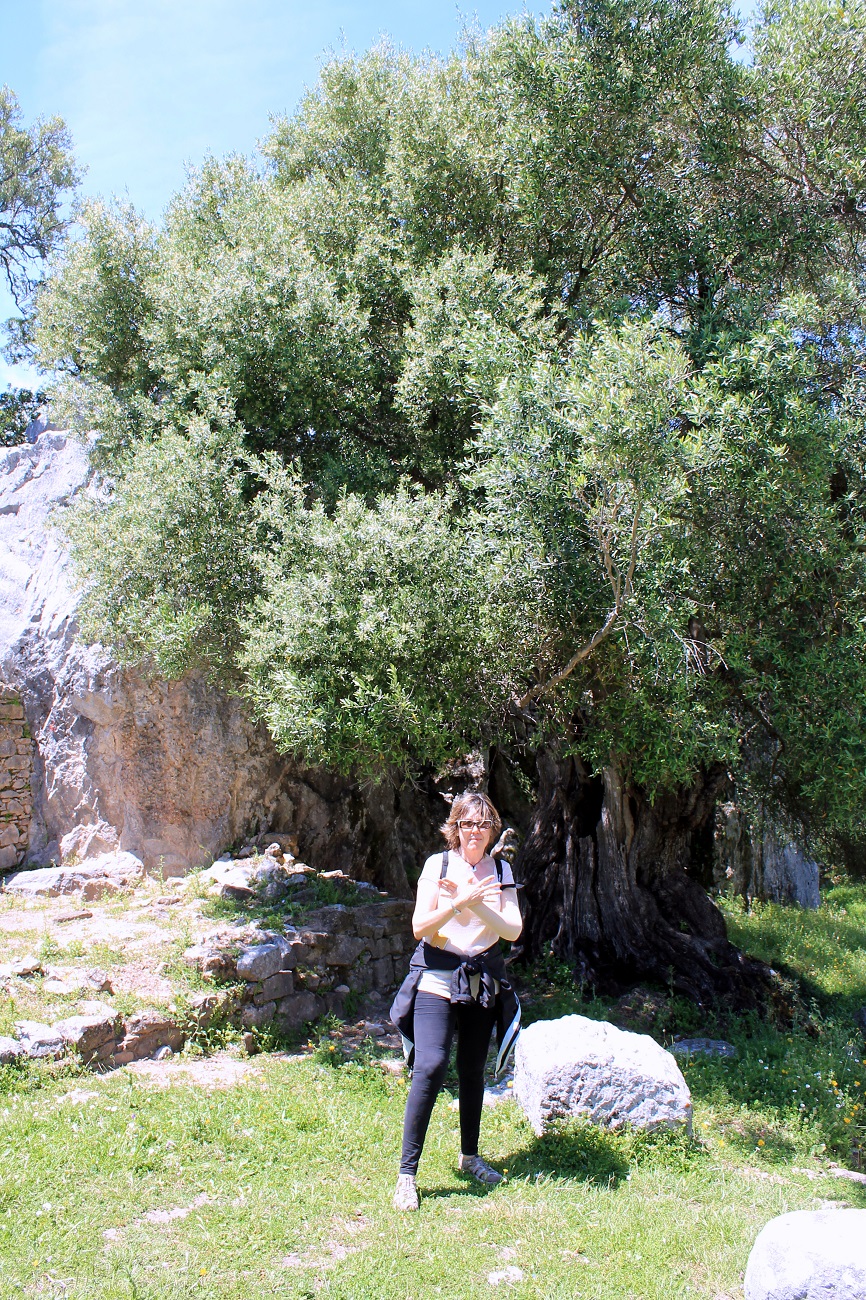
(443, 872)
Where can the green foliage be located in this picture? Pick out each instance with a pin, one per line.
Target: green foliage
(166, 557)
(18, 406)
(379, 610)
(516, 394)
(35, 169)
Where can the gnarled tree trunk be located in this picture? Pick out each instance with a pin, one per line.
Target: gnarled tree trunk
(613, 882)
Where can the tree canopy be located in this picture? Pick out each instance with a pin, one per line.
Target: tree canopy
(513, 396)
(36, 168)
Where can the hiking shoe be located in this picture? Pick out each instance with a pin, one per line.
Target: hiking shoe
(479, 1170)
(406, 1193)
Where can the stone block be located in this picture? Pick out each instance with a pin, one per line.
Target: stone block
(86, 1034)
(360, 979)
(8, 857)
(383, 973)
(202, 1007)
(255, 1017)
(38, 1040)
(9, 834)
(260, 962)
(809, 1253)
(93, 890)
(301, 1009)
(23, 967)
(278, 986)
(148, 1030)
(396, 909)
(298, 953)
(10, 1050)
(152, 1043)
(125, 869)
(574, 1066)
(344, 950)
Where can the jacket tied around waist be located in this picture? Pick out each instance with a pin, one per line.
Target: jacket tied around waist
(489, 966)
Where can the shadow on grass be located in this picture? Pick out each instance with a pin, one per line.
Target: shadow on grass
(574, 1151)
(571, 1152)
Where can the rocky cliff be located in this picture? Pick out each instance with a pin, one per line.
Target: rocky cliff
(174, 772)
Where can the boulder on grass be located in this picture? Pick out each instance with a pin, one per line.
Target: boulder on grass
(579, 1067)
(10, 1050)
(38, 1040)
(106, 873)
(809, 1255)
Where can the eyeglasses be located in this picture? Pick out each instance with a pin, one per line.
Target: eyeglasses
(475, 826)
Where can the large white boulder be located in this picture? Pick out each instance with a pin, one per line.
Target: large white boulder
(580, 1067)
(97, 875)
(809, 1255)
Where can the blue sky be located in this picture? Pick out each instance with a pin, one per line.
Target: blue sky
(148, 87)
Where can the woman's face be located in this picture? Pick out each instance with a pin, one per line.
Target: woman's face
(474, 831)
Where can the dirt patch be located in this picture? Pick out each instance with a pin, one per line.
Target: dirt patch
(218, 1071)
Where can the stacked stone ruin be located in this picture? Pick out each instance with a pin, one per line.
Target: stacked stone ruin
(257, 978)
(287, 979)
(16, 769)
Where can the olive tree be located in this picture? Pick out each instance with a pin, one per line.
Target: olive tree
(522, 391)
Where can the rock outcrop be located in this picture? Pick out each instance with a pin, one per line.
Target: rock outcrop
(761, 863)
(809, 1253)
(173, 772)
(575, 1067)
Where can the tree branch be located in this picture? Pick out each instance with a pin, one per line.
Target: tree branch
(620, 591)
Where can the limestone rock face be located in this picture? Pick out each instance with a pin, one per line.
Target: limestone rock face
(172, 772)
(809, 1254)
(765, 864)
(579, 1067)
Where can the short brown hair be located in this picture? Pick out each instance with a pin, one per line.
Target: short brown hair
(470, 801)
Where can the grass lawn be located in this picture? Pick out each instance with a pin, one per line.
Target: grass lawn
(281, 1183)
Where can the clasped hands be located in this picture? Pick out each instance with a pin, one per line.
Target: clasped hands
(468, 894)
(471, 892)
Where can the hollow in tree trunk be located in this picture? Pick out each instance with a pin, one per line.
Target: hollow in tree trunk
(608, 885)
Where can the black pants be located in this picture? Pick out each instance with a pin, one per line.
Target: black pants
(435, 1021)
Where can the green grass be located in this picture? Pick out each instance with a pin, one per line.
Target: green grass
(289, 1178)
(284, 1181)
(825, 950)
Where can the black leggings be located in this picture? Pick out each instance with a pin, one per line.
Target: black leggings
(435, 1021)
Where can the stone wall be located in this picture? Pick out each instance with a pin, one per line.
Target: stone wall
(16, 770)
(289, 978)
(257, 978)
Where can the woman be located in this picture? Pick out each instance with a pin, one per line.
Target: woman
(466, 903)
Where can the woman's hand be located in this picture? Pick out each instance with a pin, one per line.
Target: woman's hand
(475, 891)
